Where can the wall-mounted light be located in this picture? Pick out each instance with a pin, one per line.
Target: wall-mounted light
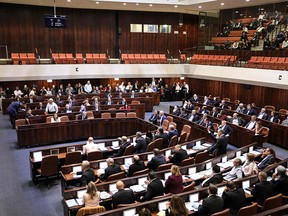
(182, 78)
(49, 80)
(116, 79)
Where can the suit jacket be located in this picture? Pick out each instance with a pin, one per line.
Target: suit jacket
(138, 166)
(211, 205)
(153, 118)
(214, 114)
(270, 159)
(246, 126)
(155, 188)
(178, 157)
(156, 161)
(234, 200)
(264, 117)
(172, 133)
(215, 179)
(121, 149)
(281, 185)
(165, 138)
(219, 146)
(86, 176)
(162, 118)
(241, 121)
(227, 129)
(125, 196)
(174, 184)
(262, 191)
(140, 146)
(250, 112)
(110, 170)
(275, 119)
(192, 118)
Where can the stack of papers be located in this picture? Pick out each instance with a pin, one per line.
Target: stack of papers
(137, 188)
(206, 144)
(225, 164)
(198, 147)
(104, 195)
(192, 206)
(103, 148)
(101, 171)
(190, 151)
(71, 202)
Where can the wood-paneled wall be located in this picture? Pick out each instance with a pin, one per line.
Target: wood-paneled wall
(22, 30)
(259, 95)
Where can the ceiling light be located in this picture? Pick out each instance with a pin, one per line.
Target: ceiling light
(150, 5)
(175, 6)
(124, 3)
(199, 6)
(247, 0)
(68, 0)
(222, 4)
(137, 4)
(97, 2)
(236, 11)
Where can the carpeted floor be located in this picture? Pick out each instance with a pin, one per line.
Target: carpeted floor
(19, 196)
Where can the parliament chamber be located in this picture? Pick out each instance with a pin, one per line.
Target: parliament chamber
(78, 70)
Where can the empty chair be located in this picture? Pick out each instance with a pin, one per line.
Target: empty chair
(90, 115)
(64, 118)
(170, 119)
(142, 172)
(186, 129)
(158, 143)
(150, 146)
(165, 124)
(116, 176)
(182, 138)
(270, 108)
(94, 155)
(79, 58)
(201, 157)
(173, 141)
(121, 115)
(225, 212)
(129, 150)
(90, 210)
(189, 187)
(164, 167)
(135, 102)
(283, 112)
(105, 115)
(248, 210)
(49, 167)
(188, 161)
(73, 157)
(131, 115)
(271, 202)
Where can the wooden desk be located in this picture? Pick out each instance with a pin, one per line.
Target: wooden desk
(49, 133)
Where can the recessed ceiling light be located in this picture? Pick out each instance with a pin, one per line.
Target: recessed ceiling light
(97, 2)
(176, 6)
(199, 6)
(236, 11)
(137, 4)
(150, 5)
(222, 3)
(124, 3)
(68, 0)
(247, 0)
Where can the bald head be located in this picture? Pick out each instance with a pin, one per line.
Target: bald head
(120, 185)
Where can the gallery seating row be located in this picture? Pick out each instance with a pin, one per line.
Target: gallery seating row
(144, 58)
(238, 33)
(23, 58)
(220, 41)
(68, 58)
(267, 62)
(213, 59)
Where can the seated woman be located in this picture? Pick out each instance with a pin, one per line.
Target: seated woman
(174, 182)
(125, 107)
(92, 196)
(176, 206)
(250, 167)
(258, 128)
(55, 118)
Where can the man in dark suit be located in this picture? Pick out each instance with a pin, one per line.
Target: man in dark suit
(215, 178)
(138, 165)
(141, 145)
(281, 184)
(172, 132)
(252, 123)
(234, 198)
(178, 155)
(157, 160)
(154, 188)
(250, 111)
(273, 117)
(212, 203)
(87, 173)
(236, 120)
(262, 189)
(154, 117)
(193, 116)
(110, 170)
(162, 117)
(214, 112)
(122, 148)
(160, 134)
(223, 105)
(268, 157)
(220, 144)
(225, 128)
(122, 196)
(262, 115)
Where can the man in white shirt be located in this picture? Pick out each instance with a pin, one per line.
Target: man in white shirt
(252, 123)
(285, 43)
(17, 92)
(90, 146)
(51, 107)
(88, 87)
(236, 171)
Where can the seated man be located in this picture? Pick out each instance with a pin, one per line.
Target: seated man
(262, 189)
(252, 123)
(172, 132)
(212, 203)
(178, 155)
(87, 174)
(234, 198)
(220, 143)
(193, 116)
(122, 148)
(141, 145)
(138, 165)
(90, 146)
(225, 128)
(236, 171)
(268, 157)
(280, 181)
(110, 170)
(236, 120)
(215, 178)
(122, 196)
(154, 188)
(154, 117)
(162, 117)
(157, 160)
(160, 134)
